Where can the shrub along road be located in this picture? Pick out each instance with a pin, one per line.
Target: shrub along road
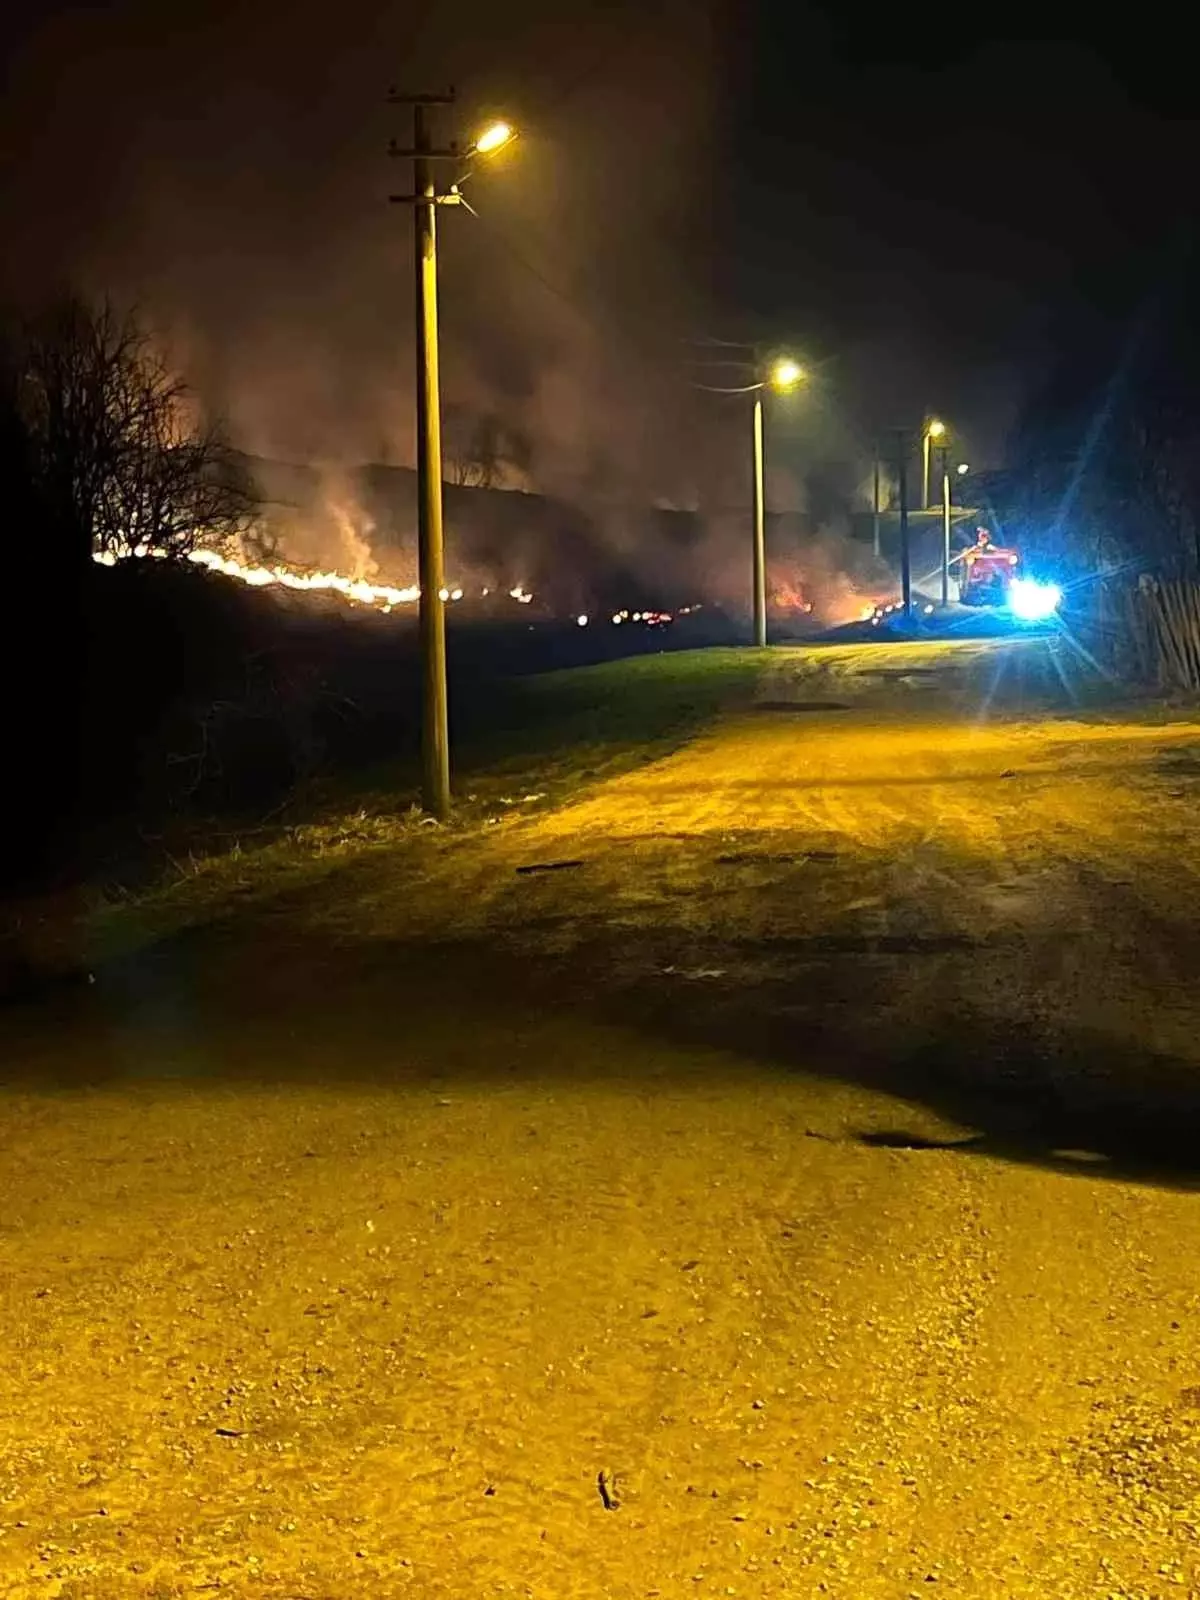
(796, 1130)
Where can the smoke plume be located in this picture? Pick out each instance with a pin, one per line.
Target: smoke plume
(233, 185)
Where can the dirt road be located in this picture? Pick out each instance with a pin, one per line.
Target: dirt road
(794, 1197)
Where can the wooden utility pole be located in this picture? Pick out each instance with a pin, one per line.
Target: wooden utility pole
(425, 198)
(875, 502)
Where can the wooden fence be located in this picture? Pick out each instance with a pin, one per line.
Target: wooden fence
(1164, 627)
(1148, 630)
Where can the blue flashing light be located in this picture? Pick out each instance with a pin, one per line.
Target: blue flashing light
(1031, 601)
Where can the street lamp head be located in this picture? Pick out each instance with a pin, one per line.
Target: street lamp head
(786, 374)
(494, 137)
(962, 469)
(936, 429)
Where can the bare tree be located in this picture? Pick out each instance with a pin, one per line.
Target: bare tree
(480, 451)
(472, 455)
(117, 457)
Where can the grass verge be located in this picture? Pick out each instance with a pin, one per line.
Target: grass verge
(520, 743)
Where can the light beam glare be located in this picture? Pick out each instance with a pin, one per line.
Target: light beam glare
(1031, 601)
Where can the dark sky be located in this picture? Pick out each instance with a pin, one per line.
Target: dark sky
(909, 201)
(928, 190)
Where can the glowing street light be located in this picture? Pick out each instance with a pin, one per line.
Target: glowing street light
(493, 137)
(936, 429)
(782, 374)
(785, 374)
(962, 469)
(933, 430)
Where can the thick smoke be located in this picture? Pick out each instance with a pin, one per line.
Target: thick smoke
(233, 186)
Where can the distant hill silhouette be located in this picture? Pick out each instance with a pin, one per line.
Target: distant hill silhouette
(583, 556)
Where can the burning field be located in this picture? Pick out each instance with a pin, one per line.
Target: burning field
(382, 596)
(352, 536)
(789, 602)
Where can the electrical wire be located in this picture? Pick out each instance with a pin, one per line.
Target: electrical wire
(745, 388)
(568, 299)
(707, 341)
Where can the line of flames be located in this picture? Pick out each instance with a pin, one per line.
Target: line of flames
(383, 596)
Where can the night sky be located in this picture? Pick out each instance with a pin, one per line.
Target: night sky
(950, 182)
(908, 199)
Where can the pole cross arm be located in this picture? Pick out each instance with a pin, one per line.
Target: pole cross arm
(426, 199)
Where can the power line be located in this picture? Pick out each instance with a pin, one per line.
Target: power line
(603, 58)
(568, 299)
(707, 341)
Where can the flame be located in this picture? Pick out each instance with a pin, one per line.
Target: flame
(365, 594)
(382, 595)
(385, 597)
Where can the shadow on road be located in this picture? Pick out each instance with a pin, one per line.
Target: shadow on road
(1028, 1089)
(257, 1007)
(1075, 1104)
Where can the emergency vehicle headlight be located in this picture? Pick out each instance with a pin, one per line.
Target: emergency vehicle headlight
(1031, 601)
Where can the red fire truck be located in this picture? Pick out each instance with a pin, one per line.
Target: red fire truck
(986, 571)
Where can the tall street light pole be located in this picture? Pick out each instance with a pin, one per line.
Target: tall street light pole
(960, 472)
(945, 525)
(783, 375)
(903, 446)
(431, 565)
(760, 535)
(933, 429)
